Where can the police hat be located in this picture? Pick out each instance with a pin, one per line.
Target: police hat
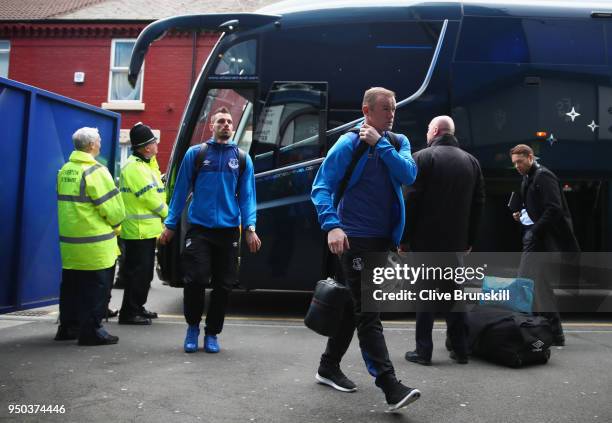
(141, 135)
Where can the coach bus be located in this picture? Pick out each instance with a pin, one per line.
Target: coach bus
(293, 75)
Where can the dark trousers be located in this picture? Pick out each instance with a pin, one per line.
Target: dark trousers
(452, 311)
(456, 332)
(209, 254)
(83, 299)
(369, 327)
(120, 277)
(533, 266)
(137, 269)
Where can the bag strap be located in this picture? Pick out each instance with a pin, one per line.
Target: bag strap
(200, 156)
(359, 151)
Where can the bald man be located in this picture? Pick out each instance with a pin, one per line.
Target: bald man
(443, 209)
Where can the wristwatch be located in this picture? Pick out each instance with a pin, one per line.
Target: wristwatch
(251, 228)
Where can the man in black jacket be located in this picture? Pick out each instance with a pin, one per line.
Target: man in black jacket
(443, 210)
(546, 226)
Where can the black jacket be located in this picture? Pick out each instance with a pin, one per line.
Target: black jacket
(547, 207)
(444, 205)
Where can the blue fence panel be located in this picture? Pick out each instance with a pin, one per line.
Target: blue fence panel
(12, 142)
(47, 124)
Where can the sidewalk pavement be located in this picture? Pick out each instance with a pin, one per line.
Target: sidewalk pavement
(265, 373)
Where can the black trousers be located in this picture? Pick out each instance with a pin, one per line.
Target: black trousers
(137, 271)
(83, 299)
(453, 312)
(209, 254)
(120, 278)
(369, 327)
(456, 332)
(533, 266)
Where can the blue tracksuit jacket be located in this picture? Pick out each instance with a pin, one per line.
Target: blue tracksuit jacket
(402, 167)
(215, 204)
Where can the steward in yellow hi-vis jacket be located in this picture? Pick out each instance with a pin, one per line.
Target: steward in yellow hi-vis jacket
(145, 205)
(90, 212)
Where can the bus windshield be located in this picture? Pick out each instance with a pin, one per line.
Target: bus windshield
(240, 105)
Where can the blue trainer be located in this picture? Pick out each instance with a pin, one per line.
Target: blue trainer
(191, 339)
(211, 345)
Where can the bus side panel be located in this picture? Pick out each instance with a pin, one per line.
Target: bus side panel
(292, 255)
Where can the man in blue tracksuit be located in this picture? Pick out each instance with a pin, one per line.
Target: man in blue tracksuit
(223, 201)
(369, 218)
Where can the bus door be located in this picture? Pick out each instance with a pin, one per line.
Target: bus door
(288, 146)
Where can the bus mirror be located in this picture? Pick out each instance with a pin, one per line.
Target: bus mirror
(229, 25)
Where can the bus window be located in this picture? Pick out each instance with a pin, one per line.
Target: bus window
(241, 108)
(335, 53)
(536, 41)
(239, 59)
(291, 124)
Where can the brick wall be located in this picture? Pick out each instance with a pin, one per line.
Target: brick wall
(50, 63)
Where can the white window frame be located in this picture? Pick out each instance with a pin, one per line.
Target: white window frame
(122, 104)
(8, 54)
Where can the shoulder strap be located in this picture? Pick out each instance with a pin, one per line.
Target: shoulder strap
(394, 140)
(241, 162)
(241, 167)
(200, 156)
(359, 151)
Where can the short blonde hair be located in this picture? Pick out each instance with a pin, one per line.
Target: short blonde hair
(521, 149)
(372, 94)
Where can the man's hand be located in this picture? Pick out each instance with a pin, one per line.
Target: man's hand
(516, 216)
(166, 236)
(337, 241)
(253, 241)
(368, 134)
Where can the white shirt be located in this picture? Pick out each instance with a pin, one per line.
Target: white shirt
(525, 219)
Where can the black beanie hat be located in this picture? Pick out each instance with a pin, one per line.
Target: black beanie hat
(141, 135)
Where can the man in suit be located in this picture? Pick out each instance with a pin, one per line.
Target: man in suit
(546, 226)
(443, 210)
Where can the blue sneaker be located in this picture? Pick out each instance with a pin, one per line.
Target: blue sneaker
(191, 339)
(211, 345)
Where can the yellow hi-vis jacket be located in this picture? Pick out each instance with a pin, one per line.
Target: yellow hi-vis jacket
(90, 211)
(144, 198)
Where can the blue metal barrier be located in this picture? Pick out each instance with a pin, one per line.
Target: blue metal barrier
(36, 128)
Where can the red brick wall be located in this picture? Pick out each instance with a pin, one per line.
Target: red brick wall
(50, 63)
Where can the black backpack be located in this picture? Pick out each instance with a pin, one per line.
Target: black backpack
(201, 155)
(359, 151)
(507, 337)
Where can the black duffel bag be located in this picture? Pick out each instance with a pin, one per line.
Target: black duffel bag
(326, 307)
(510, 338)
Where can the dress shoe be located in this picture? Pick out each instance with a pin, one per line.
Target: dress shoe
(461, 359)
(102, 338)
(135, 320)
(66, 333)
(413, 357)
(148, 314)
(559, 340)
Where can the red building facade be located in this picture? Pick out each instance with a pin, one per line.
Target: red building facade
(76, 59)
